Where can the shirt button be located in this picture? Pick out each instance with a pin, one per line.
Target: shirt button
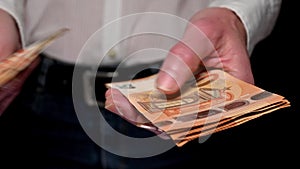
(112, 54)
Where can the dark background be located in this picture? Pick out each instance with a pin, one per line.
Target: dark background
(268, 141)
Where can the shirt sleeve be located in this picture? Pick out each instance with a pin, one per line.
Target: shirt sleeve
(15, 9)
(258, 17)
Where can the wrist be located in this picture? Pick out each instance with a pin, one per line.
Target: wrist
(224, 17)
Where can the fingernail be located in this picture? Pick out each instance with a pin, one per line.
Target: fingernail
(120, 111)
(166, 83)
(108, 106)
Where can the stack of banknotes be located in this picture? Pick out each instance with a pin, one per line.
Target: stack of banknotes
(211, 102)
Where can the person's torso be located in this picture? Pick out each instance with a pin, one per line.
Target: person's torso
(109, 31)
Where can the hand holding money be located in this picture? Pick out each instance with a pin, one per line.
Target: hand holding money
(117, 103)
(208, 41)
(15, 68)
(216, 100)
(213, 102)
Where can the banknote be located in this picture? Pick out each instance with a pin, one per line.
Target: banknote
(212, 101)
(18, 61)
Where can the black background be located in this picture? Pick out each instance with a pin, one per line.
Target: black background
(270, 140)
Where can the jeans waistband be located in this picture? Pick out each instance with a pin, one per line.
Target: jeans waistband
(61, 78)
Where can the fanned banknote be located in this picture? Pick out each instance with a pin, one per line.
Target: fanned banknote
(18, 61)
(211, 102)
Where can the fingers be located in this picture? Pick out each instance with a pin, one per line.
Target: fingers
(183, 60)
(160, 133)
(117, 103)
(177, 68)
(215, 38)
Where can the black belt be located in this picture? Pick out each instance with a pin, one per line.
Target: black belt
(57, 77)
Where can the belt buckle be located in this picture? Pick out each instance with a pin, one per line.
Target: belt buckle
(89, 77)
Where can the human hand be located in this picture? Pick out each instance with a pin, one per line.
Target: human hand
(117, 103)
(221, 43)
(10, 40)
(9, 43)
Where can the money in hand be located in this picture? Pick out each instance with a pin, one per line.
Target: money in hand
(211, 102)
(11, 66)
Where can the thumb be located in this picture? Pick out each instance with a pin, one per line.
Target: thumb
(183, 60)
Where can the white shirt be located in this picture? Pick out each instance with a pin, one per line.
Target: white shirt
(126, 30)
